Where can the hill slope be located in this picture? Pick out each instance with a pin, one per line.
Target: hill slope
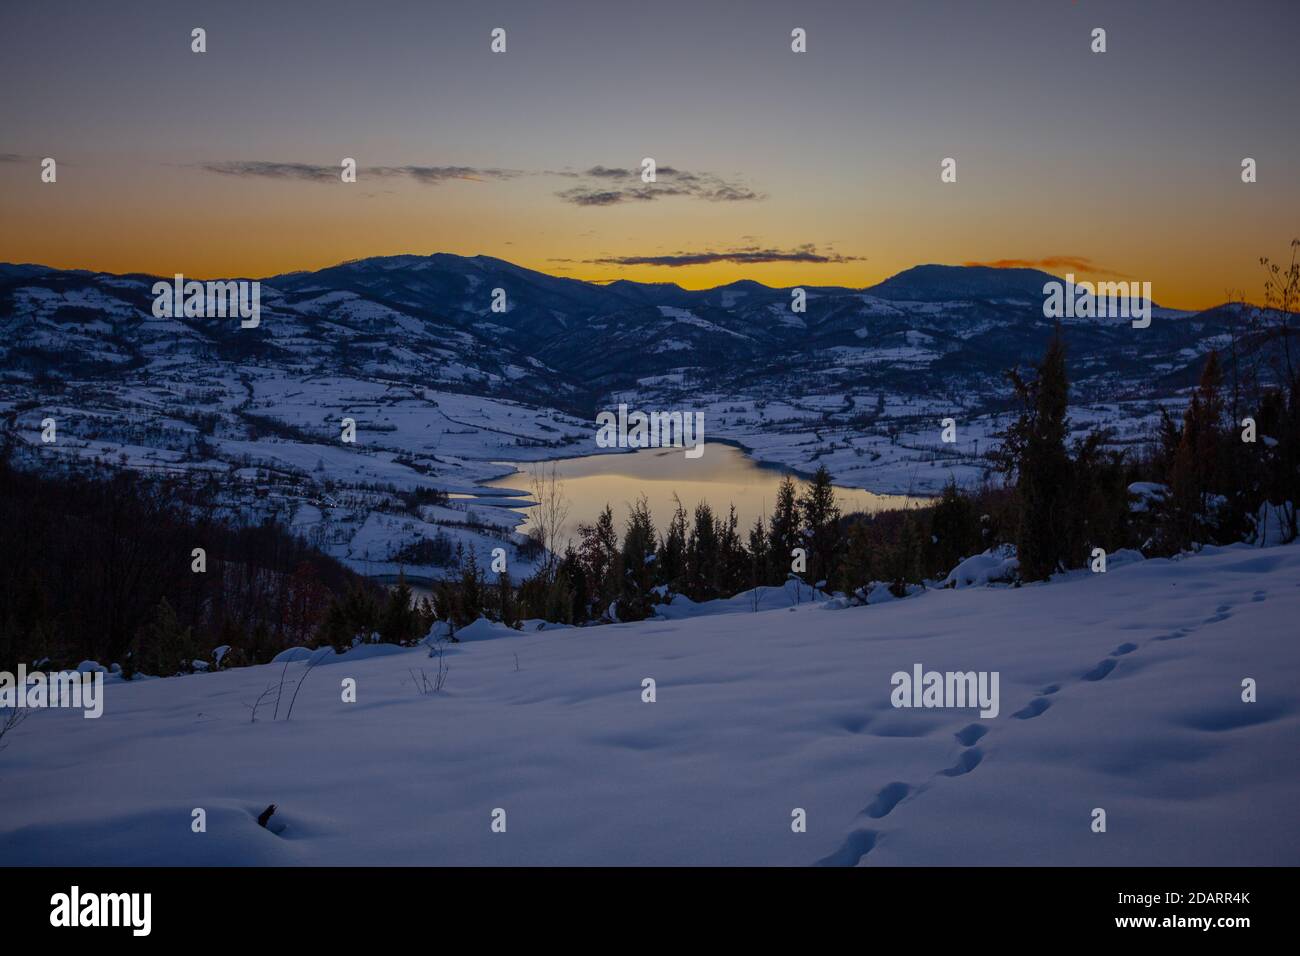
(1129, 700)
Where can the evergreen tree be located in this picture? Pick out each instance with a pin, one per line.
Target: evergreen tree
(637, 598)
(954, 530)
(399, 622)
(424, 617)
(1034, 449)
(702, 556)
(447, 606)
(562, 601)
(821, 516)
(334, 629)
(361, 611)
(671, 563)
(507, 611)
(758, 556)
(162, 646)
(602, 561)
(733, 564)
(473, 591)
(904, 561)
(1196, 468)
(783, 535)
(858, 566)
(1099, 509)
(1168, 437)
(575, 587)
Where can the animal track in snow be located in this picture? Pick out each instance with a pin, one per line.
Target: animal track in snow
(855, 846)
(860, 842)
(968, 761)
(1100, 670)
(1032, 709)
(970, 734)
(887, 799)
(1221, 613)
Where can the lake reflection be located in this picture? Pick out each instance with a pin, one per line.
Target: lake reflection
(723, 476)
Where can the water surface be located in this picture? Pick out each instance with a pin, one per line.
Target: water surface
(724, 475)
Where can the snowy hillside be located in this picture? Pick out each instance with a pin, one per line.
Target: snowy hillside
(1120, 691)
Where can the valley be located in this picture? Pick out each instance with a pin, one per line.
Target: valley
(448, 396)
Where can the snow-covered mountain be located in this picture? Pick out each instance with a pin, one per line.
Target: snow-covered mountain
(442, 388)
(430, 319)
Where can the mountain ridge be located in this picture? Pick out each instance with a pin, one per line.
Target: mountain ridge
(562, 340)
(1009, 280)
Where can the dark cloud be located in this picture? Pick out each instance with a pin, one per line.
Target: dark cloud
(669, 181)
(300, 171)
(608, 172)
(750, 255)
(307, 172)
(432, 175)
(729, 193)
(586, 196)
(598, 185)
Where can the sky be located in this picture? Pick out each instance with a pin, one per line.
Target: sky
(812, 168)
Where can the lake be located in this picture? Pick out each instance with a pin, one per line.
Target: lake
(722, 476)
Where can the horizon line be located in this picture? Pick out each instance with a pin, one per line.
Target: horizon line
(599, 283)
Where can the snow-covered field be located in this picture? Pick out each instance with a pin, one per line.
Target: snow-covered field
(1120, 691)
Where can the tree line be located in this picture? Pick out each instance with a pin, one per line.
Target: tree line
(106, 569)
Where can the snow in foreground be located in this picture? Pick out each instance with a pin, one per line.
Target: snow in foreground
(1120, 691)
